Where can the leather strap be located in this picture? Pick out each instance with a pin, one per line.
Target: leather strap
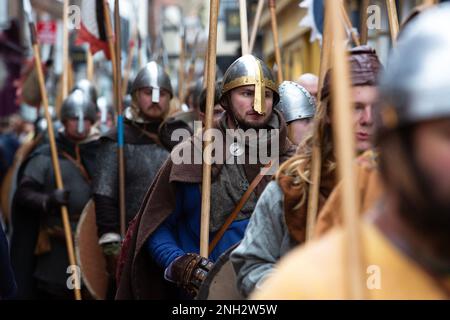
(152, 136)
(78, 165)
(238, 207)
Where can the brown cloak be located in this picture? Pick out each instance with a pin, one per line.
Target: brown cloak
(139, 277)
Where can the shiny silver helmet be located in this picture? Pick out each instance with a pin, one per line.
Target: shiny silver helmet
(417, 88)
(249, 70)
(296, 102)
(78, 105)
(152, 76)
(88, 89)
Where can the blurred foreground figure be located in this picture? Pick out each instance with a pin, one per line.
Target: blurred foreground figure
(406, 236)
(279, 220)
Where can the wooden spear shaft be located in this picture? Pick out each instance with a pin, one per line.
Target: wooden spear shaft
(89, 65)
(181, 67)
(55, 161)
(210, 87)
(130, 55)
(364, 17)
(276, 46)
(244, 26)
(345, 155)
(110, 37)
(393, 20)
(65, 82)
(349, 25)
(429, 2)
(316, 156)
(193, 58)
(205, 70)
(191, 72)
(120, 133)
(259, 10)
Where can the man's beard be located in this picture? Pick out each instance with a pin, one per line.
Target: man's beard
(244, 124)
(158, 113)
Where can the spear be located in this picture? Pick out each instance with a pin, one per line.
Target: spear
(206, 61)
(120, 133)
(273, 14)
(393, 20)
(130, 54)
(182, 63)
(191, 71)
(259, 10)
(364, 17)
(53, 149)
(349, 25)
(114, 49)
(65, 75)
(244, 26)
(206, 180)
(316, 156)
(89, 66)
(429, 2)
(345, 152)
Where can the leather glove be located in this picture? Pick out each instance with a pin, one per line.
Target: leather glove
(57, 198)
(188, 272)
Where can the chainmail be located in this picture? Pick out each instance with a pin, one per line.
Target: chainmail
(142, 162)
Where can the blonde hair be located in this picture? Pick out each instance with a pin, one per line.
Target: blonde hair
(298, 168)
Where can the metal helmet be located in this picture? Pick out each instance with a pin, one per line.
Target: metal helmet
(88, 89)
(296, 102)
(417, 88)
(249, 70)
(78, 105)
(152, 76)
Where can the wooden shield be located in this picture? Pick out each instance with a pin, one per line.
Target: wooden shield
(90, 255)
(9, 184)
(220, 283)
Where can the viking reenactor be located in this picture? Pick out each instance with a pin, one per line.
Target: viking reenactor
(310, 82)
(279, 220)
(193, 94)
(88, 89)
(298, 107)
(8, 286)
(38, 248)
(162, 249)
(144, 153)
(405, 236)
(367, 173)
(218, 109)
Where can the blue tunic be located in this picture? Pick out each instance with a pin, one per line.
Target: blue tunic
(180, 232)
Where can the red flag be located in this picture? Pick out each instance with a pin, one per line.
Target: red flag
(93, 27)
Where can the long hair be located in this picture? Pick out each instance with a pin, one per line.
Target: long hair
(298, 168)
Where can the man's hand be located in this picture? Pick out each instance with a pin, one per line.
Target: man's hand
(188, 271)
(57, 198)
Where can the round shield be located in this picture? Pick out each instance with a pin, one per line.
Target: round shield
(220, 283)
(89, 254)
(9, 184)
